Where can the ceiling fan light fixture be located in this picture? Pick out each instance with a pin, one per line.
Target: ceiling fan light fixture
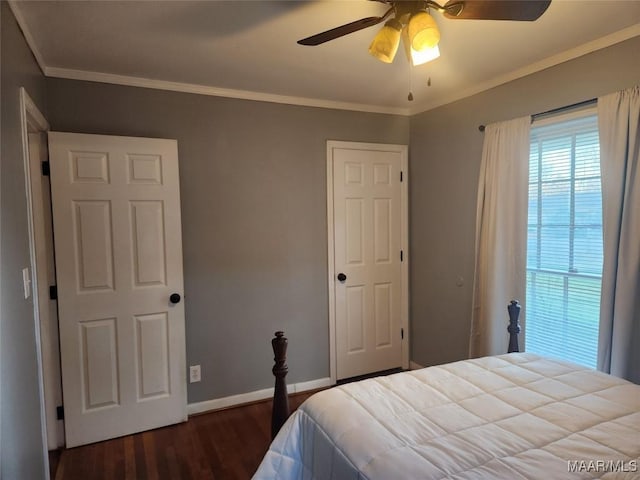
(424, 56)
(416, 57)
(385, 44)
(423, 31)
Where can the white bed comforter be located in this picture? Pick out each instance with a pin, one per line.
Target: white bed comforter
(507, 417)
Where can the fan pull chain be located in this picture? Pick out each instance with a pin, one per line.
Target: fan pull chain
(410, 96)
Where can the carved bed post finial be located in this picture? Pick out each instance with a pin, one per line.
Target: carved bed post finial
(514, 327)
(280, 411)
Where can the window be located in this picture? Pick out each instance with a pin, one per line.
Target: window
(564, 244)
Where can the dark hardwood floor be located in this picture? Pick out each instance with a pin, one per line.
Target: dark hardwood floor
(228, 444)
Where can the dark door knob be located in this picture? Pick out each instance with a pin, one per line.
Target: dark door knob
(342, 277)
(174, 298)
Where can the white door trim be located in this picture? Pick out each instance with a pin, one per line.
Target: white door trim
(404, 242)
(31, 117)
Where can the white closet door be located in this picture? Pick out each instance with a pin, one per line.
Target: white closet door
(367, 242)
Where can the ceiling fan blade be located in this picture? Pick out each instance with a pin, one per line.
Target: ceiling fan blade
(342, 30)
(520, 10)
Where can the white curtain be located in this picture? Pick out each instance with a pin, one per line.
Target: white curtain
(501, 234)
(619, 340)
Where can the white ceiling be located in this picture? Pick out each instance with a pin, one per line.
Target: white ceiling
(247, 49)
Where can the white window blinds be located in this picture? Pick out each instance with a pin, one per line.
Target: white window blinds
(564, 245)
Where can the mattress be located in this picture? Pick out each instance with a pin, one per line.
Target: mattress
(515, 416)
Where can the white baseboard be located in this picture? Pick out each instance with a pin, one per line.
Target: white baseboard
(414, 366)
(225, 402)
(309, 385)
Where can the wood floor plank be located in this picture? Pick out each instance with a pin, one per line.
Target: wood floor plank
(224, 445)
(97, 467)
(173, 467)
(113, 459)
(141, 465)
(149, 448)
(59, 472)
(129, 458)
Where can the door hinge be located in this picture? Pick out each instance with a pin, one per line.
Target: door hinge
(402, 334)
(53, 292)
(401, 256)
(46, 169)
(60, 412)
(401, 175)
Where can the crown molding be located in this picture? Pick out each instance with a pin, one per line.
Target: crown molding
(584, 49)
(126, 80)
(27, 34)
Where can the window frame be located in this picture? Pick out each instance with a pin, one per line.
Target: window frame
(571, 272)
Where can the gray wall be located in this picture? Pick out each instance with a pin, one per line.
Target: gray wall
(253, 200)
(253, 193)
(22, 448)
(445, 154)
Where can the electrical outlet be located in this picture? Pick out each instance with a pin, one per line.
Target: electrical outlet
(194, 373)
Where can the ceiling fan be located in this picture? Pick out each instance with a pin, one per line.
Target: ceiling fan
(410, 19)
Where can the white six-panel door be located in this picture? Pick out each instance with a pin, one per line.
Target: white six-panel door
(116, 217)
(367, 241)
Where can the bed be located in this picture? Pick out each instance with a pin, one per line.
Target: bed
(512, 416)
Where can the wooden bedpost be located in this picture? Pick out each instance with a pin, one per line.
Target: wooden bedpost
(280, 411)
(514, 327)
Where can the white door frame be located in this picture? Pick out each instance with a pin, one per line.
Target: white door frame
(32, 118)
(403, 150)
